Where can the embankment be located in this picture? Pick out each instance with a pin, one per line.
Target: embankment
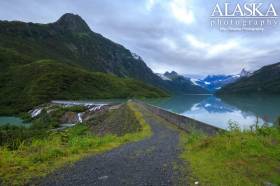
(185, 123)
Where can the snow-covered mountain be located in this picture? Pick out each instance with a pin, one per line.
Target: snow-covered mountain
(214, 83)
(210, 83)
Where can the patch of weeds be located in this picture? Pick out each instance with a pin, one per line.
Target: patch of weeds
(236, 157)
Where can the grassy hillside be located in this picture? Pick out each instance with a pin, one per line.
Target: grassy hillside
(25, 86)
(10, 58)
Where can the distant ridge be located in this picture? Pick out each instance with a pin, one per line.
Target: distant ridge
(263, 81)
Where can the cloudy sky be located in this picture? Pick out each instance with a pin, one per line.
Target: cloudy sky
(167, 34)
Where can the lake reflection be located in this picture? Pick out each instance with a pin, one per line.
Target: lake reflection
(219, 111)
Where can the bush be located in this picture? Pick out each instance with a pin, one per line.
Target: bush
(277, 123)
(76, 109)
(13, 136)
(233, 126)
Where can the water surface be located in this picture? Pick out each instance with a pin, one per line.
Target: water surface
(12, 121)
(219, 111)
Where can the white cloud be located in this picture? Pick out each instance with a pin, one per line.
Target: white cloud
(212, 49)
(181, 11)
(220, 48)
(193, 41)
(150, 4)
(169, 43)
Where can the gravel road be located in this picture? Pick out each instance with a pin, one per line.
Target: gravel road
(153, 161)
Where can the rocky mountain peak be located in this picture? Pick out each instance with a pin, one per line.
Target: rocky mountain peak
(244, 73)
(173, 73)
(72, 22)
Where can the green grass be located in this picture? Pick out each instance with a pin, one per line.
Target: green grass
(234, 158)
(38, 157)
(24, 86)
(146, 129)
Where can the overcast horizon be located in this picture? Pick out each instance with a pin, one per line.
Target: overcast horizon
(170, 35)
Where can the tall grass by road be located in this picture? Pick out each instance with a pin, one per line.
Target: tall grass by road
(249, 157)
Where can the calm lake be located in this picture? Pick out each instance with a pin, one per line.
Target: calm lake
(12, 120)
(218, 111)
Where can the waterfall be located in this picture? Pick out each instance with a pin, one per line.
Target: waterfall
(36, 112)
(80, 117)
(96, 107)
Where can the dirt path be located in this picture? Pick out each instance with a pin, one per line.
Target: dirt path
(153, 161)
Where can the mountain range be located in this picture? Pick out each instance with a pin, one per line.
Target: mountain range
(263, 81)
(213, 83)
(266, 80)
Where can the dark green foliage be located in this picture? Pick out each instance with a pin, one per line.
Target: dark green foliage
(26, 86)
(47, 121)
(9, 58)
(277, 123)
(78, 130)
(76, 109)
(12, 136)
(26, 117)
(266, 80)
